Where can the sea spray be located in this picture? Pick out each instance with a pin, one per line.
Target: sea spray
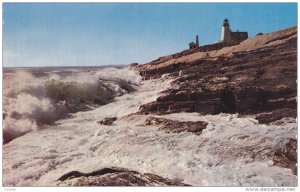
(32, 100)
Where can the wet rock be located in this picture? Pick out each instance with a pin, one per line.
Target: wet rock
(168, 125)
(107, 121)
(273, 116)
(115, 176)
(286, 156)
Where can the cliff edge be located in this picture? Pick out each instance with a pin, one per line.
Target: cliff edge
(257, 77)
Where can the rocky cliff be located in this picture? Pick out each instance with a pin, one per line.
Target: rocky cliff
(256, 77)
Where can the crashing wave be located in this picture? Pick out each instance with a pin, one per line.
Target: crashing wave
(32, 100)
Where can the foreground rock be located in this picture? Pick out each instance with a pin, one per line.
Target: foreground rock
(168, 125)
(115, 176)
(286, 156)
(257, 76)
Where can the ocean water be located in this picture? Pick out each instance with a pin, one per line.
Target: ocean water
(34, 97)
(231, 151)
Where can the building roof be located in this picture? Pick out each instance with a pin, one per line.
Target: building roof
(239, 36)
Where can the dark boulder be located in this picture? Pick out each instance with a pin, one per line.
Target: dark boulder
(115, 176)
(107, 121)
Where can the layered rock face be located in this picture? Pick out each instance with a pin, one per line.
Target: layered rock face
(258, 76)
(115, 176)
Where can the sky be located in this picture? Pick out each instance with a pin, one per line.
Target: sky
(94, 34)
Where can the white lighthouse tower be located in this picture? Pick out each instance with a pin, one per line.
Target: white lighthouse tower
(226, 37)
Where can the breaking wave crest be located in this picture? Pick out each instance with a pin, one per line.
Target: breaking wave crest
(32, 100)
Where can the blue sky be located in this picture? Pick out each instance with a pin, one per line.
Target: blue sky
(91, 34)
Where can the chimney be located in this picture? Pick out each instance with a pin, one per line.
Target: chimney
(197, 41)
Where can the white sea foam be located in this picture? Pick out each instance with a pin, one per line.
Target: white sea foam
(231, 151)
(36, 101)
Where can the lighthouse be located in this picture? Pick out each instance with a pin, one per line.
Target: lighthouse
(226, 33)
(228, 37)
